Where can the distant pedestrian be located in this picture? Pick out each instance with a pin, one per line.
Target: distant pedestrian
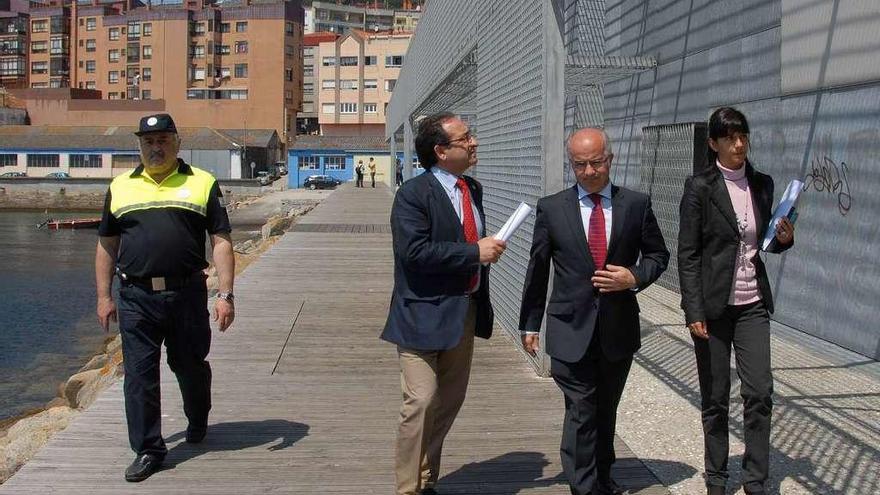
(399, 173)
(372, 167)
(359, 171)
(152, 236)
(725, 294)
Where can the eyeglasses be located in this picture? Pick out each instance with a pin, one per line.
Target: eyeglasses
(594, 164)
(466, 138)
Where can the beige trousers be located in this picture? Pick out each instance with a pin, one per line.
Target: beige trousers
(434, 384)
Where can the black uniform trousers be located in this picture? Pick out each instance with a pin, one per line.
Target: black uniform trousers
(179, 318)
(592, 388)
(747, 329)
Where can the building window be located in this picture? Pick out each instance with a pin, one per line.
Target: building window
(125, 161)
(241, 47)
(198, 73)
(328, 108)
(328, 84)
(148, 52)
(348, 108)
(91, 85)
(43, 161)
(289, 29)
(113, 96)
(288, 74)
(231, 94)
(224, 27)
(113, 34)
(328, 61)
(370, 84)
(225, 72)
(389, 84)
(39, 26)
(58, 46)
(134, 31)
(289, 50)
(91, 24)
(393, 60)
(148, 29)
(309, 163)
(308, 88)
(8, 160)
(12, 67)
(147, 74)
(308, 71)
(241, 26)
(113, 56)
(348, 84)
(91, 45)
(79, 160)
(90, 66)
(369, 108)
(198, 51)
(370, 60)
(199, 28)
(241, 70)
(113, 76)
(40, 85)
(39, 67)
(146, 94)
(223, 50)
(288, 95)
(348, 61)
(58, 66)
(334, 162)
(39, 47)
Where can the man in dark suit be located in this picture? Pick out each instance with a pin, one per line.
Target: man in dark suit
(605, 245)
(441, 294)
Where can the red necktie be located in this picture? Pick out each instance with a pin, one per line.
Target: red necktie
(596, 236)
(469, 223)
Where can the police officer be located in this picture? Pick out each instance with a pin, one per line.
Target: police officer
(152, 237)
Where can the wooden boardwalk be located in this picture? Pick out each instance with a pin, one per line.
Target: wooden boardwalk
(306, 396)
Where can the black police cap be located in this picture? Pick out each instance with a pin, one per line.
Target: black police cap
(161, 122)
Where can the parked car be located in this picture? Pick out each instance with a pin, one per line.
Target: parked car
(280, 168)
(58, 175)
(321, 182)
(13, 174)
(264, 178)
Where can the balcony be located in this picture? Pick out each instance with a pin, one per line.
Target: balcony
(11, 50)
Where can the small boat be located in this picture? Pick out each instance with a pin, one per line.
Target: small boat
(73, 223)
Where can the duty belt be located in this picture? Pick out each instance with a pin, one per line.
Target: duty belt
(158, 284)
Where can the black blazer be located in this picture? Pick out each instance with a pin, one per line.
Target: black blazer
(576, 309)
(433, 266)
(708, 242)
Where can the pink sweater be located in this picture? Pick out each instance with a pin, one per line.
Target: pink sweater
(745, 281)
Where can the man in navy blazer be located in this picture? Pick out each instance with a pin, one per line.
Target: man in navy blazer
(441, 294)
(604, 244)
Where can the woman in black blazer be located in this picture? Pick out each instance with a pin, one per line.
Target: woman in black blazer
(726, 296)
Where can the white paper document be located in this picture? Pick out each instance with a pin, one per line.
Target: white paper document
(516, 219)
(786, 208)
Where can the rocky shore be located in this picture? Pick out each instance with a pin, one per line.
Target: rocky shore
(22, 436)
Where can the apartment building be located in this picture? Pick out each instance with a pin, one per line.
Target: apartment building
(342, 19)
(357, 74)
(307, 119)
(214, 64)
(13, 43)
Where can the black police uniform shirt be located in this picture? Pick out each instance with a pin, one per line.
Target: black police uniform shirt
(162, 226)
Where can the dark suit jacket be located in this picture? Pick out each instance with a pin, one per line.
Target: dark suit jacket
(433, 266)
(708, 242)
(576, 309)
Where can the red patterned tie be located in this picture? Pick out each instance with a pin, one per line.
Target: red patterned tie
(596, 236)
(468, 222)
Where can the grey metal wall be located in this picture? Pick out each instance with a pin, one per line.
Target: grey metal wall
(805, 73)
(214, 161)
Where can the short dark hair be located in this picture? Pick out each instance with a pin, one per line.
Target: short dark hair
(431, 134)
(722, 123)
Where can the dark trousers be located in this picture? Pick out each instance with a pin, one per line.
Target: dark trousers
(373, 179)
(360, 181)
(592, 388)
(747, 328)
(180, 319)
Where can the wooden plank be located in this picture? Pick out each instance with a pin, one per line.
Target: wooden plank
(325, 421)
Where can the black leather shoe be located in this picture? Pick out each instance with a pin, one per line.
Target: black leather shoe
(715, 490)
(429, 491)
(607, 487)
(143, 466)
(196, 435)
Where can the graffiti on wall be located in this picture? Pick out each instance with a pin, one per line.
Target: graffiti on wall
(825, 175)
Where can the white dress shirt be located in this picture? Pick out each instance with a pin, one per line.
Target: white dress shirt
(449, 183)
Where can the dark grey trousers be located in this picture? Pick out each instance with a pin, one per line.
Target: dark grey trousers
(747, 329)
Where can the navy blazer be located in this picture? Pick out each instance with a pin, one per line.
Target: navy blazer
(433, 266)
(576, 309)
(708, 242)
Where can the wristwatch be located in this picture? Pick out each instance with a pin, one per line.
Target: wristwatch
(226, 296)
